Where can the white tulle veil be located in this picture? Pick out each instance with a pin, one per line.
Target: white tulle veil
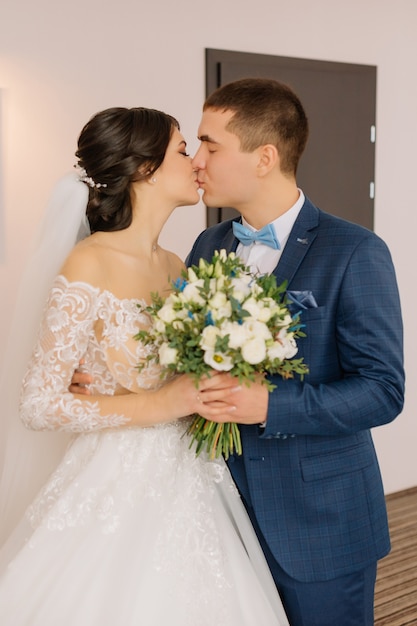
(28, 457)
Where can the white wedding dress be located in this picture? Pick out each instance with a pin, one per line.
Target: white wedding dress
(132, 528)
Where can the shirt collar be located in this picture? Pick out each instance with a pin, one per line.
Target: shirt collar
(284, 223)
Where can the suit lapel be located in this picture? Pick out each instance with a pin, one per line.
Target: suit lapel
(229, 241)
(301, 237)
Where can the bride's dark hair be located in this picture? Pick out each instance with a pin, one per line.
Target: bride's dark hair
(115, 148)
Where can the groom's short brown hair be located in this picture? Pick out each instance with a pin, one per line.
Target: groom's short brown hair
(265, 112)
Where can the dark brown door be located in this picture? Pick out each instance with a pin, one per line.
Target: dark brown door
(337, 169)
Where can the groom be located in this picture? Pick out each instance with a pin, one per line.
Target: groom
(309, 475)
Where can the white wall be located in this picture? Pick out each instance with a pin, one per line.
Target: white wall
(62, 62)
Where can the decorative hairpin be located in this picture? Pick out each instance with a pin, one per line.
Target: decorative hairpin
(82, 175)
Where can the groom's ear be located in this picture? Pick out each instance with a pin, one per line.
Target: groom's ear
(267, 159)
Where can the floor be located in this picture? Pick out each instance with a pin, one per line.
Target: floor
(396, 586)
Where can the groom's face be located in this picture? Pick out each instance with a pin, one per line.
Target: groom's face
(226, 175)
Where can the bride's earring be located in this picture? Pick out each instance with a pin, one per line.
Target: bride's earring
(153, 180)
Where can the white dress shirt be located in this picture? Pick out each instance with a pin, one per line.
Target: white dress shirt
(262, 259)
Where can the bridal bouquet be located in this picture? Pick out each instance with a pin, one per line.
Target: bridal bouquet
(221, 317)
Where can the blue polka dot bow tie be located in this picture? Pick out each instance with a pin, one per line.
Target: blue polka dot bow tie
(266, 235)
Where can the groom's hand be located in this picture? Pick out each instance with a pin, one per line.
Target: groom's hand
(80, 381)
(243, 404)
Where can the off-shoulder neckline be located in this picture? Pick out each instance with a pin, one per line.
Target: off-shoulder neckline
(98, 290)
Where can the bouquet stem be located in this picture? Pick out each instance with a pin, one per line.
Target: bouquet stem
(215, 438)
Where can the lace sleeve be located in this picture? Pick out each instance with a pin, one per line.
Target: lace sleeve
(66, 329)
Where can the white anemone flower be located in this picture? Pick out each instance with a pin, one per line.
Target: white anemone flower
(218, 361)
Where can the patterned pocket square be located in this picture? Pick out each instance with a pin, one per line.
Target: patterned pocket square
(303, 299)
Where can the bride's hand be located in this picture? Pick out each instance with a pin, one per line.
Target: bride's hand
(80, 381)
(219, 390)
(213, 397)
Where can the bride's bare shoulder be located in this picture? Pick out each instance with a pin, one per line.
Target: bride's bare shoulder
(85, 263)
(175, 263)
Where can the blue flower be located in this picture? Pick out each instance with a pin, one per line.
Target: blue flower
(180, 284)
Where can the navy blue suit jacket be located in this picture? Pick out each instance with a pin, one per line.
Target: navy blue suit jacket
(312, 475)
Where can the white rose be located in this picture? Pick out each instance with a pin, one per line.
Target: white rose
(287, 320)
(271, 305)
(167, 355)
(257, 329)
(218, 300)
(208, 337)
(256, 289)
(173, 298)
(191, 293)
(238, 334)
(166, 313)
(285, 335)
(264, 314)
(277, 351)
(284, 348)
(254, 350)
(241, 287)
(290, 346)
(223, 312)
(159, 326)
(182, 314)
(253, 307)
(218, 361)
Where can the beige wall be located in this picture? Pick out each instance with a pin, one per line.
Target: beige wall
(62, 62)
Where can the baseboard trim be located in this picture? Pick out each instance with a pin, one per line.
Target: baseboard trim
(400, 494)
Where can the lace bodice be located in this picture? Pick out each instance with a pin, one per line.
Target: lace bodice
(82, 322)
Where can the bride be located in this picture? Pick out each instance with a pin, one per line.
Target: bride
(131, 527)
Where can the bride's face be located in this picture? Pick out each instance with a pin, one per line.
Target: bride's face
(176, 177)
